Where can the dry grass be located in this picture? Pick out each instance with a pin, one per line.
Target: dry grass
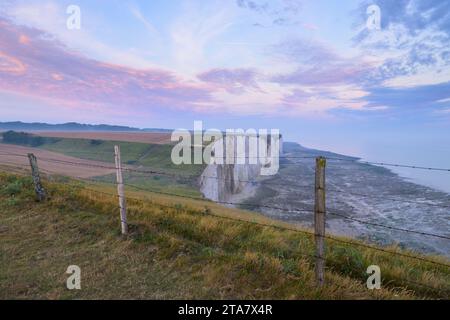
(177, 249)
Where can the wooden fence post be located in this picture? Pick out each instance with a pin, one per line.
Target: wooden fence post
(319, 220)
(40, 191)
(121, 191)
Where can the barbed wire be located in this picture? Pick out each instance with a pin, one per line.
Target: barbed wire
(385, 226)
(298, 211)
(254, 205)
(303, 211)
(13, 154)
(218, 201)
(440, 290)
(305, 232)
(387, 198)
(154, 172)
(349, 159)
(389, 164)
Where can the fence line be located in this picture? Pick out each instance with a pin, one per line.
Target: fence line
(357, 160)
(291, 210)
(387, 227)
(260, 205)
(303, 211)
(232, 203)
(285, 228)
(219, 202)
(295, 230)
(447, 291)
(390, 164)
(277, 226)
(389, 198)
(154, 172)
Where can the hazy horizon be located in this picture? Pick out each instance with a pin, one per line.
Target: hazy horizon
(390, 153)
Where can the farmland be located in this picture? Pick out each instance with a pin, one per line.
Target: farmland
(143, 137)
(89, 170)
(135, 155)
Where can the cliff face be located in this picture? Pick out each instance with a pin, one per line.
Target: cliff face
(219, 182)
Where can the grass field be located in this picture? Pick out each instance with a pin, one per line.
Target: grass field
(157, 156)
(143, 137)
(181, 179)
(179, 248)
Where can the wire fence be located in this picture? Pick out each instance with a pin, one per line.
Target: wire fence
(284, 228)
(149, 172)
(255, 205)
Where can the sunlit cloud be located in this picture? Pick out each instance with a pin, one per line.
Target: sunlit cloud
(45, 67)
(209, 58)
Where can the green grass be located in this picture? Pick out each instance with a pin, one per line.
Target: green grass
(155, 157)
(97, 149)
(179, 248)
(160, 183)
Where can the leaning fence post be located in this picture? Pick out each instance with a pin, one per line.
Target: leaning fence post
(319, 220)
(40, 191)
(121, 191)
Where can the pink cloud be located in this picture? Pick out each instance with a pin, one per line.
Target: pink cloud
(23, 39)
(11, 65)
(33, 63)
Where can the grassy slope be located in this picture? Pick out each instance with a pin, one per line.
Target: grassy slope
(154, 156)
(157, 156)
(179, 252)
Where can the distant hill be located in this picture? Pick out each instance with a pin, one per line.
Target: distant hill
(71, 126)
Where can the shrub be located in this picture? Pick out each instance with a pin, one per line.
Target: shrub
(96, 142)
(12, 188)
(16, 185)
(26, 139)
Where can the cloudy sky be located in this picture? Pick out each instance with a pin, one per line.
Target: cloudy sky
(310, 68)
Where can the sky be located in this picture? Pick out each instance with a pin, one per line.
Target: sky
(313, 69)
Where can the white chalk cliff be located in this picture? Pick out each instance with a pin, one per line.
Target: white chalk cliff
(219, 182)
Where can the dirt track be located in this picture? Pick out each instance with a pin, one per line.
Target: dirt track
(143, 137)
(52, 167)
